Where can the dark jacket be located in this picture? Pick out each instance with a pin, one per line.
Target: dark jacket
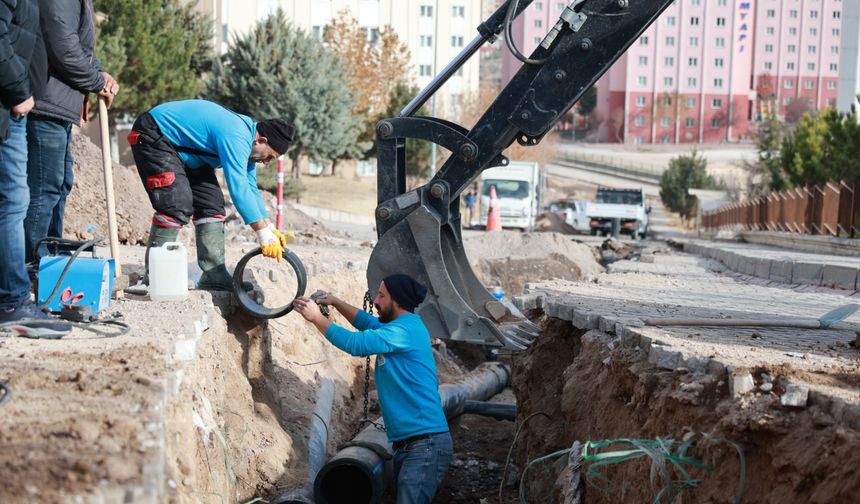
(22, 56)
(68, 27)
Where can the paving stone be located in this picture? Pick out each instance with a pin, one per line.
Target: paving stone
(840, 277)
(795, 396)
(663, 357)
(780, 271)
(740, 384)
(807, 273)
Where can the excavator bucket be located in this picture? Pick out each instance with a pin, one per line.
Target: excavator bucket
(458, 306)
(419, 230)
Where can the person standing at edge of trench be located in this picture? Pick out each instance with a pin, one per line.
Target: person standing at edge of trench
(177, 146)
(405, 375)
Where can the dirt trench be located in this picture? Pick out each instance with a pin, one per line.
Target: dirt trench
(592, 389)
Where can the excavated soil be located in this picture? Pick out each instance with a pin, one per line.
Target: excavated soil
(592, 392)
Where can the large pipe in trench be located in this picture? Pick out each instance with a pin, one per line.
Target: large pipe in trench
(359, 474)
(317, 442)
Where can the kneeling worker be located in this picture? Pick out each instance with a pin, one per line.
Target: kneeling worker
(405, 375)
(176, 147)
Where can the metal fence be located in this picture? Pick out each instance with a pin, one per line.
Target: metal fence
(832, 209)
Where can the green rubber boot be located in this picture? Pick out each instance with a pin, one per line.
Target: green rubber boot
(210, 258)
(158, 236)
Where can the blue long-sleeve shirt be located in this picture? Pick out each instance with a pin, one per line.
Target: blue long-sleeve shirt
(405, 371)
(209, 127)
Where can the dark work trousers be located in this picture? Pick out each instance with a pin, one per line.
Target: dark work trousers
(177, 194)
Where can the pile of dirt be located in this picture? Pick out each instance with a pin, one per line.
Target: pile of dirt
(553, 222)
(510, 259)
(594, 389)
(86, 207)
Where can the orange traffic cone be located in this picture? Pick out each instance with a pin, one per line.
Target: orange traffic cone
(494, 218)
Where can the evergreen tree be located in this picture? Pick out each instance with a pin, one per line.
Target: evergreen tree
(277, 70)
(685, 172)
(156, 49)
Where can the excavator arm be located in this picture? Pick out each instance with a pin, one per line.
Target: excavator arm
(419, 230)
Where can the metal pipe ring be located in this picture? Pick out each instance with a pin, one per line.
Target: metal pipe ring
(249, 304)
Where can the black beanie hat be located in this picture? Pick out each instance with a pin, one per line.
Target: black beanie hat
(279, 134)
(405, 290)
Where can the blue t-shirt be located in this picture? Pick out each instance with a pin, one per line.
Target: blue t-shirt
(405, 371)
(209, 127)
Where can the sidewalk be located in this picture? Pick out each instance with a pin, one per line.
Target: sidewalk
(780, 265)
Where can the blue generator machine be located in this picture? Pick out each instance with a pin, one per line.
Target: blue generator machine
(85, 283)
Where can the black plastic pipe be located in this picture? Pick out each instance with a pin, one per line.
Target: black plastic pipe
(499, 411)
(317, 443)
(361, 471)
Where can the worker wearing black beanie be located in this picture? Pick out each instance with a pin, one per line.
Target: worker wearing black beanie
(405, 376)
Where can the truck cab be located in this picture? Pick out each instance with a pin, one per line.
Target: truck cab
(519, 188)
(626, 205)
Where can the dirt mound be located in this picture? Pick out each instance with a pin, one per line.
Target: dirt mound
(593, 389)
(86, 208)
(552, 222)
(510, 259)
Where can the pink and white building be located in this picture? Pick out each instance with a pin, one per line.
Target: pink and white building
(707, 70)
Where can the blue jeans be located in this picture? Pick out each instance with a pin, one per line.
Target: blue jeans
(14, 198)
(420, 466)
(50, 177)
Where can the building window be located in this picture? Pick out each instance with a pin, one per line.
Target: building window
(425, 70)
(373, 35)
(718, 83)
(692, 82)
(715, 123)
(837, 14)
(768, 65)
(643, 81)
(694, 41)
(694, 21)
(537, 40)
(668, 81)
(425, 41)
(643, 60)
(426, 11)
(643, 40)
(640, 101)
(808, 83)
(691, 102)
(693, 62)
(458, 11)
(717, 103)
(670, 41)
(789, 83)
(666, 122)
(789, 65)
(721, 21)
(792, 14)
(538, 6)
(317, 32)
(834, 50)
(457, 41)
(834, 67)
(813, 32)
(768, 48)
(639, 140)
(792, 48)
(770, 30)
(721, 3)
(670, 20)
(771, 13)
(811, 49)
(696, 3)
(810, 67)
(720, 42)
(538, 23)
(813, 14)
(831, 84)
(669, 61)
(718, 62)
(639, 121)
(690, 122)
(792, 31)
(835, 32)
(786, 100)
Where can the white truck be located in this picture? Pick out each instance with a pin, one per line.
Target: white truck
(625, 206)
(519, 188)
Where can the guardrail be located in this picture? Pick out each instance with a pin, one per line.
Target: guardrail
(650, 171)
(832, 209)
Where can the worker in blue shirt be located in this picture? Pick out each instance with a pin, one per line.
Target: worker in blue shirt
(405, 375)
(177, 146)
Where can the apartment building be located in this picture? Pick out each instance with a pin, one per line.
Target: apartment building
(708, 70)
(433, 30)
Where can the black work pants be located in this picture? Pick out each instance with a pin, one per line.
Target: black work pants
(177, 194)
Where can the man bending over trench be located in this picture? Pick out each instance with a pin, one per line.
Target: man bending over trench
(405, 375)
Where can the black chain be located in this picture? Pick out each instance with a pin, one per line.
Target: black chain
(368, 307)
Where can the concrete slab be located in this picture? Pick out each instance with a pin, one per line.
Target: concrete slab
(807, 273)
(840, 277)
(781, 271)
(762, 268)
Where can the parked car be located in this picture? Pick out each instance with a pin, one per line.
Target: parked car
(573, 211)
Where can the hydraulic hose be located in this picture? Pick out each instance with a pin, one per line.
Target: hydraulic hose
(249, 304)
